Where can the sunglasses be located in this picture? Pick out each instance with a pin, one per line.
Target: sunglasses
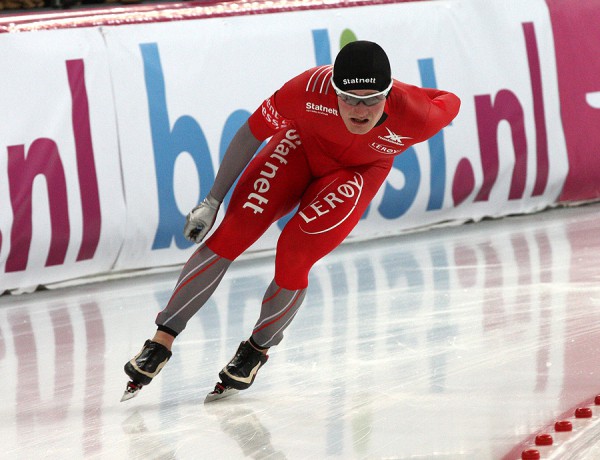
(368, 100)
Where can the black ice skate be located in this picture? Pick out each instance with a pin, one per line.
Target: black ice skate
(144, 367)
(239, 373)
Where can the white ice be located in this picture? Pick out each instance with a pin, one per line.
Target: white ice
(454, 343)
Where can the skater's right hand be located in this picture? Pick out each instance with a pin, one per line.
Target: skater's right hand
(200, 219)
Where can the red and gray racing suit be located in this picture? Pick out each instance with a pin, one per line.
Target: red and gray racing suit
(314, 163)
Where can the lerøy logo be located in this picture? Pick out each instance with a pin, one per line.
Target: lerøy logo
(332, 206)
(392, 138)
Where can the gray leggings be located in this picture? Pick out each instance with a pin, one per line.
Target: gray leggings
(198, 280)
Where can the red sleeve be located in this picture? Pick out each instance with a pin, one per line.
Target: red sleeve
(285, 105)
(444, 108)
(266, 120)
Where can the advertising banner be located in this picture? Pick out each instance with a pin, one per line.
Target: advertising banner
(110, 134)
(61, 197)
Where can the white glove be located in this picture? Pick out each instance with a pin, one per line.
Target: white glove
(201, 219)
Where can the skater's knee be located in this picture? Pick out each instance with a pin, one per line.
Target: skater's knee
(291, 272)
(222, 246)
(293, 281)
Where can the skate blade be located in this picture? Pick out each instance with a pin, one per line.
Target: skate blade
(131, 391)
(220, 392)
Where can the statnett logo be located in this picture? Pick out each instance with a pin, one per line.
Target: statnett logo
(355, 81)
(257, 199)
(320, 109)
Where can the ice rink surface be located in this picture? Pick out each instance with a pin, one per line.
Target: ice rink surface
(454, 343)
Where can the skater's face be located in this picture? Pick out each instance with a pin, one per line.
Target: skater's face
(359, 116)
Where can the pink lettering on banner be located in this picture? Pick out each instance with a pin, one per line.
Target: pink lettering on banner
(43, 158)
(577, 47)
(86, 169)
(505, 106)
